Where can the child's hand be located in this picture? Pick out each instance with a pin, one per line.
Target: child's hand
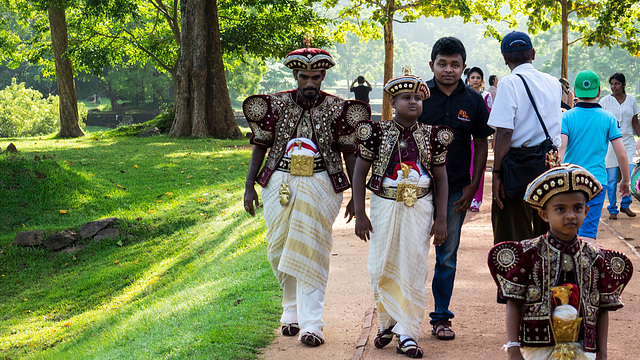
(363, 227)
(439, 232)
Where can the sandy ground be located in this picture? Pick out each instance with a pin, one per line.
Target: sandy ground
(350, 319)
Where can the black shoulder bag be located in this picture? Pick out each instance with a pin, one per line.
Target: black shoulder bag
(521, 166)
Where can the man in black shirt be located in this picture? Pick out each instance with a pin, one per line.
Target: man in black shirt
(463, 110)
(361, 91)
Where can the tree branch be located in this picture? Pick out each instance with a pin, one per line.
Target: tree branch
(134, 42)
(575, 41)
(581, 8)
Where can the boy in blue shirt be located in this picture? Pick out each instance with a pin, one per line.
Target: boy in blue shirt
(586, 132)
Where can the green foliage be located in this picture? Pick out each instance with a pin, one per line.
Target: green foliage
(243, 77)
(277, 78)
(24, 112)
(188, 277)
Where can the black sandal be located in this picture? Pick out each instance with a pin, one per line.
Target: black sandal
(311, 339)
(290, 329)
(441, 327)
(410, 348)
(383, 338)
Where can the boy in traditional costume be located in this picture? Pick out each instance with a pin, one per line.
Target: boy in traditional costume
(559, 288)
(408, 161)
(305, 130)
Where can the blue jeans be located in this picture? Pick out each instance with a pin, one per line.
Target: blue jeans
(589, 227)
(446, 258)
(612, 185)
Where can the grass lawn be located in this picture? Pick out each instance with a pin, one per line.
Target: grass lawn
(187, 279)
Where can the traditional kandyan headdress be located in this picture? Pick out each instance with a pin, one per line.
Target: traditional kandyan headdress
(311, 59)
(407, 84)
(563, 178)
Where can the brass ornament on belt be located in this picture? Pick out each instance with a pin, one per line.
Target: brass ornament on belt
(284, 194)
(301, 165)
(564, 351)
(407, 192)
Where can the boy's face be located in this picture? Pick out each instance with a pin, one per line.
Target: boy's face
(565, 213)
(407, 105)
(447, 69)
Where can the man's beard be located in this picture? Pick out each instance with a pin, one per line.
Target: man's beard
(308, 95)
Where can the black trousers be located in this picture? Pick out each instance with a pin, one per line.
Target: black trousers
(516, 221)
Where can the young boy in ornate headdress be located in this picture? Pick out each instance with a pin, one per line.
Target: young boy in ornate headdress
(559, 288)
(408, 161)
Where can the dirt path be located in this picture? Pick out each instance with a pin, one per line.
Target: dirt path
(479, 321)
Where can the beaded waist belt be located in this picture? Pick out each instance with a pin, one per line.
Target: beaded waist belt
(285, 165)
(392, 193)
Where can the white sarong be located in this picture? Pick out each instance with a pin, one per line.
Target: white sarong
(398, 251)
(299, 235)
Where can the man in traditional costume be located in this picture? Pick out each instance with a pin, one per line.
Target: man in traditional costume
(305, 130)
(559, 288)
(407, 160)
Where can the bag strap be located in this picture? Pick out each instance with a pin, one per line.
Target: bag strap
(534, 106)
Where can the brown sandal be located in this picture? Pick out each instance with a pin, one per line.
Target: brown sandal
(383, 338)
(290, 329)
(442, 327)
(410, 348)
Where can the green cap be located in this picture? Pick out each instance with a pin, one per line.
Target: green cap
(587, 84)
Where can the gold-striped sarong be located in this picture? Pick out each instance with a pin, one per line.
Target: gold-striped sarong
(546, 353)
(397, 264)
(299, 235)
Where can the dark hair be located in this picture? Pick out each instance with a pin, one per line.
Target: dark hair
(620, 77)
(476, 69)
(448, 46)
(492, 79)
(360, 79)
(466, 71)
(519, 57)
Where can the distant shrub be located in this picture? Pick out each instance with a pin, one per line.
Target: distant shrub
(25, 112)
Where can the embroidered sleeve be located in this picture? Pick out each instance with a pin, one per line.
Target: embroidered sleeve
(368, 139)
(353, 112)
(258, 112)
(615, 274)
(441, 138)
(507, 264)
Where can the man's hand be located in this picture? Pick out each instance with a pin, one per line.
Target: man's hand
(363, 227)
(497, 189)
(250, 199)
(439, 232)
(350, 212)
(624, 189)
(468, 192)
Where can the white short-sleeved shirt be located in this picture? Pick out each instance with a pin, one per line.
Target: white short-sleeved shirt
(512, 108)
(624, 113)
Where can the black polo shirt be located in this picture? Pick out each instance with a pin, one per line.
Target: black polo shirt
(466, 113)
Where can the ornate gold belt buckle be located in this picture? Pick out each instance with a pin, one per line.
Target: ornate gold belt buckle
(407, 193)
(302, 165)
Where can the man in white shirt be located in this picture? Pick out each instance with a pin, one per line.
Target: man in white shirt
(518, 129)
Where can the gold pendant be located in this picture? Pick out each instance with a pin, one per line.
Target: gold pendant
(284, 194)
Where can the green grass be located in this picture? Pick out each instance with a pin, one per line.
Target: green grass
(187, 279)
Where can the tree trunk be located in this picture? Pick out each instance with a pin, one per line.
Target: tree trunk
(203, 107)
(69, 127)
(565, 41)
(387, 112)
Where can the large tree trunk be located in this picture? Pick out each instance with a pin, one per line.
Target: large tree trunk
(69, 126)
(565, 41)
(387, 112)
(203, 107)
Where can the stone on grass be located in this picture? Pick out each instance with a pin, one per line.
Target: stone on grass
(12, 148)
(29, 238)
(61, 240)
(107, 234)
(91, 228)
(148, 132)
